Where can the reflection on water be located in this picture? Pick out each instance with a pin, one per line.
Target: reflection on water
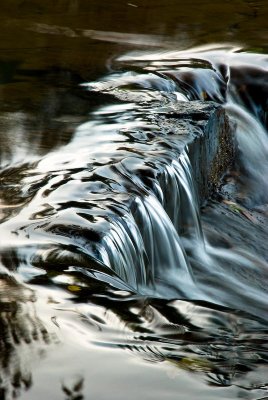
(226, 347)
(23, 337)
(103, 249)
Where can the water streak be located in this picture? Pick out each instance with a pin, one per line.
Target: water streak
(252, 144)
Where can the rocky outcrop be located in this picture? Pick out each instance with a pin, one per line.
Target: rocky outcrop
(206, 130)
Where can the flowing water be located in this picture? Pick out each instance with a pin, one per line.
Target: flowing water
(117, 280)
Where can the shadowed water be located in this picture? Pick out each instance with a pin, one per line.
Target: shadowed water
(109, 270)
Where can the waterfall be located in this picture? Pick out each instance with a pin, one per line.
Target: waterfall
(161, 247)
(144, 247)
(252, 146)
(122, 192)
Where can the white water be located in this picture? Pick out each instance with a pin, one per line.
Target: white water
(252, 145)
(156, 258)
(155, 244)
(144, 248)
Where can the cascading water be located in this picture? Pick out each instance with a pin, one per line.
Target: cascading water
(159, 251)
(143, 244)
(252, 144)
(112, 219)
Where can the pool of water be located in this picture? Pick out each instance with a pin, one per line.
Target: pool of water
(113, 283)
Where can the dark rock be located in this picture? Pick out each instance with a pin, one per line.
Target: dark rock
(210, 141)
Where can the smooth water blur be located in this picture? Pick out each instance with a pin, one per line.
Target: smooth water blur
(112, 283)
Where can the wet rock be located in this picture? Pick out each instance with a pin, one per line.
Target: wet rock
(208, 133)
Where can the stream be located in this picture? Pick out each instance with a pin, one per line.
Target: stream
(117, 279)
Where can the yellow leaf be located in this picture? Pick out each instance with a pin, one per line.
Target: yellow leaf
(74, 288)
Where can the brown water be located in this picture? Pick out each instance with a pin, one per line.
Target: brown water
(90, 315)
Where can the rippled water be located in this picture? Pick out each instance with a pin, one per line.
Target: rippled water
(113, 283)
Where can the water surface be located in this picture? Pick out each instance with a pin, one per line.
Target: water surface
(113, 284)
